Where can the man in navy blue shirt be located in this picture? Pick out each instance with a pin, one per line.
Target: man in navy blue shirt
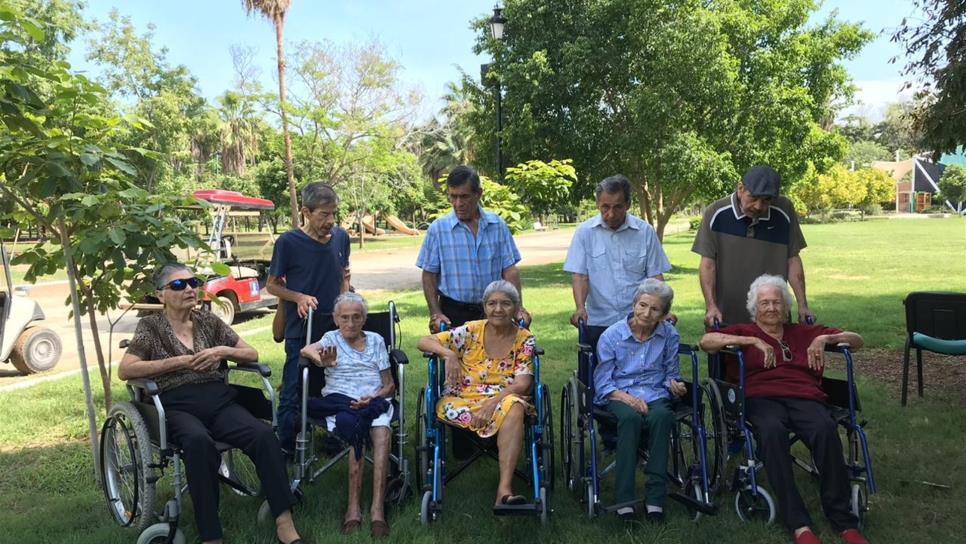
(309, 270)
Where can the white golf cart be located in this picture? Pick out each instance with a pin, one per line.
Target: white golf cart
(23, 343)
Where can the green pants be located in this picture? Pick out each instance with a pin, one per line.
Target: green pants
(631, 426)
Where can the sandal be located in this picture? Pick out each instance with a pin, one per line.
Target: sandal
(513, 500)
(350, 526)
(378, 528)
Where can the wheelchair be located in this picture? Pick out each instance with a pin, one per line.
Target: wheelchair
(309, 461)
(135, 451)
(434, 434)
(753, 502)
(588, 437)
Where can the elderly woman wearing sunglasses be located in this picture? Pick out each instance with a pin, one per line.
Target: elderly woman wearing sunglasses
(783, 392)
(182, 349)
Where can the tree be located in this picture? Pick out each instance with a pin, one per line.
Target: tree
(935, 50)
(542, 186)
(59, 164)
(679, 95)
(952, 184)
(836, 188)
(139, 76)
(274, 10)
(880, 187)
(864, 152)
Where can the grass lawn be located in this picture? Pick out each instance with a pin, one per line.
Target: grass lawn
(858, 274)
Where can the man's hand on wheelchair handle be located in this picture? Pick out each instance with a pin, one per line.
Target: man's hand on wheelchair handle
(435, 320)
(303, 302)
(577, 316)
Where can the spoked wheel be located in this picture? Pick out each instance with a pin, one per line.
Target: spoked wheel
(126, 459)
(760, 508)
(422, 443)
(240, 470)
(860, 501)
(567, 446)
(158, 534)
(716, 433)
(547, 459)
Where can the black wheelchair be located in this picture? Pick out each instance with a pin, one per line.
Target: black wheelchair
(434, 434)
(752, 501)
(308, 452)
(588, 437)
(135, 451)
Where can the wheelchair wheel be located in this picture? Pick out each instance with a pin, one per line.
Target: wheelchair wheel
(716, 433)
(759, 508)
(422, 443)
(127, 474)
(548, 475)
(591, 502)
(860, 501)
(158, 534)
(240, 471)
(568, 453)
(427, 510)
(544, 507)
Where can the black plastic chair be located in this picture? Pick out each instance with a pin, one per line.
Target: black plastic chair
(935, 322)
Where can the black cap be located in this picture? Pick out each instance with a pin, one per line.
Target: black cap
(762, 181)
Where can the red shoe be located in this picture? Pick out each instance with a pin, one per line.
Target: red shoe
(852, 536)
(807, 537)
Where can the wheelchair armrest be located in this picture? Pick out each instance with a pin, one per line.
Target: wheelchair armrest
(841, 347)
(123, 344)
(584, 348)
(399, 357)
(538, 351)
(427, 355)
(258, 368)
(149, 386)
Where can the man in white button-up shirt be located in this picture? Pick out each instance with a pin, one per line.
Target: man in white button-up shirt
(609, 256)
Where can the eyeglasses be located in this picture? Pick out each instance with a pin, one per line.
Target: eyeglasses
(786, 351)
(180, 284)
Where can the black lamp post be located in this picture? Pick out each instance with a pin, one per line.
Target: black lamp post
(497, 23)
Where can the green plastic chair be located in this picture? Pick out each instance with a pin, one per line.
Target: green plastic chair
(935, 322)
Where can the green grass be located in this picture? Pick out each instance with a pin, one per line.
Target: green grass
(858, 274)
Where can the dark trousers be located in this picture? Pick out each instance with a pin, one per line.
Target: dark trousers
(774, 418)
(200, 414)
(460, 312)
(290, 395)
(631, 427)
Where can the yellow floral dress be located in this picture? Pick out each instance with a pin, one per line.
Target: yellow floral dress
(483, 377)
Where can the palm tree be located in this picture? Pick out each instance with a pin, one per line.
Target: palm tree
(274, 10)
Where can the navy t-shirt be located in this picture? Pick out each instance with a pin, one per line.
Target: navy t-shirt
(312, 268)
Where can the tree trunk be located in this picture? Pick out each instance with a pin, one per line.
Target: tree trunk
(361, 214)
(289, 169)
(98, 350)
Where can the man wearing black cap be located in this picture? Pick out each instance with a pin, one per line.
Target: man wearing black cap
(751, 232)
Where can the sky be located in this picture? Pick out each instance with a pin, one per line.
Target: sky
(431, 39)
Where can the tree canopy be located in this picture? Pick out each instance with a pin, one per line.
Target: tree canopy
(679, 95)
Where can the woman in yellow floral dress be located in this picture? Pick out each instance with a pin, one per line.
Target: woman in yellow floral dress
(489, 377)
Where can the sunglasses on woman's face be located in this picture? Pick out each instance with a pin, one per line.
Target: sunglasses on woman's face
(180, 284)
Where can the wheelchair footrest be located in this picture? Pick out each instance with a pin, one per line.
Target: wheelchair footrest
(694, 504)
(516, 510)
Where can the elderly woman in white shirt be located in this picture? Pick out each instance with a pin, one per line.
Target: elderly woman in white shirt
(357, 374)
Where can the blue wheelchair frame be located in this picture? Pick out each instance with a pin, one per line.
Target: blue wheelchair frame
(745, 482)
(693, 478)
(538, 446)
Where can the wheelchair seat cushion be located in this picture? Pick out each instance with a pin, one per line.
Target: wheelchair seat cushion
(938, 345)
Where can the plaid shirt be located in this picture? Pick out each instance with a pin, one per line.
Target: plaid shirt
(467, 264)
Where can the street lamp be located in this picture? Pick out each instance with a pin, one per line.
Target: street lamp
(497, 22)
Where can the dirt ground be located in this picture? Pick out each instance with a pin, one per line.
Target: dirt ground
(943, 375)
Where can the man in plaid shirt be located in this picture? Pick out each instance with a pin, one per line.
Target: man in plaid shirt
(463, 252)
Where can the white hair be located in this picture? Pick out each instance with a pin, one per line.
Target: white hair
(351, 298)
(767, 280)
(656, 287)
(505, 287)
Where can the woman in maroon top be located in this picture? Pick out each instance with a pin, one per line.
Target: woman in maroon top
(783, 394)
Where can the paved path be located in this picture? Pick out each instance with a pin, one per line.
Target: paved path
(392, 269)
